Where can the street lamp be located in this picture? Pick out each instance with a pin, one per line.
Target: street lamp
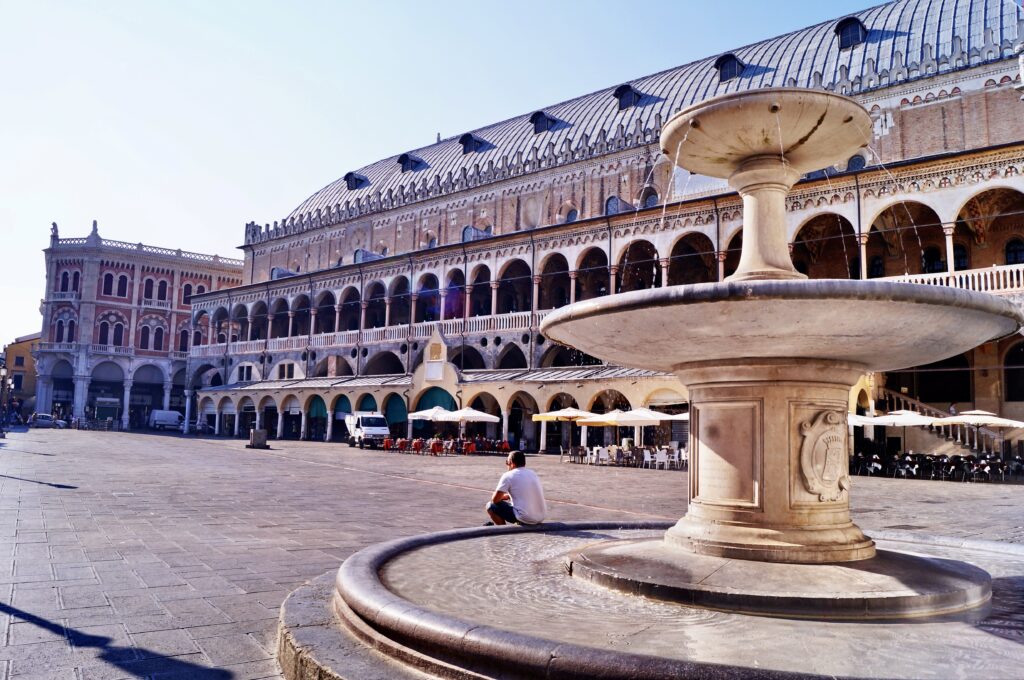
(3, 398)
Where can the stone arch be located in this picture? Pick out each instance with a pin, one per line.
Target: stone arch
(384, 363)
(351, 309)
(480, 296)
(909, 232)
(733, 248)
(515, 287)
(398, 292)
(511, 356)
(592, 274)
(149, 373)
(374, 296)
(279, 325)
(558, 356)
(325, 312)
(259, 312)
(1013, 372)
(466, 358)
(639, 267)
(825, 247)
(555, 283)
(300, 308)
(486, 402)
(455, 294)
(937, 383)
(396, 412)
(993, 214)
(428, 302)
(692, 260)
(522, 431)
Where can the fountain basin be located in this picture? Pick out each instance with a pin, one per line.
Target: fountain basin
(879, 325)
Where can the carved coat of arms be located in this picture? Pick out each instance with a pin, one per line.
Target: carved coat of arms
(823, 457)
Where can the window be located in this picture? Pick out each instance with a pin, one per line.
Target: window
(627, 96)
(65, 282)
(286, 371)
(71, 331)
(147, 290)
(851, 32)
(245, 373)
(221, 338)
(197, 338)
(19, 361)
(410, 162)
(572, 216)
(1015, 251)
(186, 293)
(104, 333)
(18, 377)
(183, 341)
(59, 335)
(200, 290)
(542, 122)
(649, 198)
(108, 284)
(432, 243)
(876, 267)
(470, 233)
(161, 291)
(471, 143)
(158, 339)
(74, 282)
(961, 261)
(353, 180)
(144, 338)
(122, 286)
(729, 67)
(118, 335)
(611, 206)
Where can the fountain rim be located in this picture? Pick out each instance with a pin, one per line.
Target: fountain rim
(786, 290)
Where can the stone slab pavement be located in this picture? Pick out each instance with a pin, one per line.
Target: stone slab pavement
(131, 555)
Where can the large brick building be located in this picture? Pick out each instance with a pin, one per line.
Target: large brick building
(116, 325)
(421, 279)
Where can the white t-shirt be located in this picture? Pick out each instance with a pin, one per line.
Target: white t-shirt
(524, 487)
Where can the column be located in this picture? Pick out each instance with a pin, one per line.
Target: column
(613, 276)
(950, 256)
(302, 426)
(862, 240)
(167, 395)
(664, 262)
(387, 311)
(270, 323)
(536, 291)
(504, 426)
(408, 429)
(280, 423)
(583, 435)
(216, 423)
(44, 394)
(252, 328)
(721, 264)
(412, 307)
(442, 294)
(312, 320)
(212, 336)
(543, 441)
(188, 410)
(238, 422)
(572, 286)
(81, 394)
(337, 318)
(469, 299)
(291, 322)
(362, 314)
(494, 296)
(330, 426)
(259, 419)
(124, 408)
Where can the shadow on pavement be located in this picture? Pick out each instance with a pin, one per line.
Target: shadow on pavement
(123, 657)
(55, 486)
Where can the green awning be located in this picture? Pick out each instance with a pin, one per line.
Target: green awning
(317, 408)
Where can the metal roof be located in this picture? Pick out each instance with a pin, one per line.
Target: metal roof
(902, 40)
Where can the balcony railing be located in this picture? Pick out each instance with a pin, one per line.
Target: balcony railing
(113, 349)
(178, 355)
(156, 304)
(64, 295)
(516, 321)
(57, 346)
(997, 279)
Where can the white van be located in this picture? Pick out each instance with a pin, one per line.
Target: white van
(367, 427)
(165, 420)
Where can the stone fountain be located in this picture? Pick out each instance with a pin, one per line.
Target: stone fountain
(769, 358)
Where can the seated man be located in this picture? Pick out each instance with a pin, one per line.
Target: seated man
(519, 498)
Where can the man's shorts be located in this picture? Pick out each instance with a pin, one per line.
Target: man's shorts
(503, 509)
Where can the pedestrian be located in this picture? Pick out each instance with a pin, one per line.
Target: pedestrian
(519, 497)
(952, 408)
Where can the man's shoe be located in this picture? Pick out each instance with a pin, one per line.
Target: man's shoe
(488, 524)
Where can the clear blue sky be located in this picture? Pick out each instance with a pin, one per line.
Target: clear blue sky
(175, 123)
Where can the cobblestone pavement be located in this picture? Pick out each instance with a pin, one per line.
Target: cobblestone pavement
(138, 555)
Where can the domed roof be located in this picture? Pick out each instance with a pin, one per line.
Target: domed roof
(896, 42)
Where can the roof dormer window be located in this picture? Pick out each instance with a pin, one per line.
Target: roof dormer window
(729, 66)
(353, 180)
(542, 122)
(851, 32)
(410, 162)
(627, 96)
(471, 143)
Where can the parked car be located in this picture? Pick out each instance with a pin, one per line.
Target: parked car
(43, 420)
(160, 420)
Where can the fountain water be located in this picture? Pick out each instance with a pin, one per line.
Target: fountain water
(769, 358)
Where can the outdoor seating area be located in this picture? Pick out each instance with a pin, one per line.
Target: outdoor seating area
(966, 468)
(435, 446)
(653, 458)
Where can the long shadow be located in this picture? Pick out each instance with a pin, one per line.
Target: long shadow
(123, 657)
(55, 486)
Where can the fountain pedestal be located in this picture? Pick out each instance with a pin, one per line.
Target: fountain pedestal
(769, 469)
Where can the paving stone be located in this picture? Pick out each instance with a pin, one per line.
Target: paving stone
(164, 643)
(232, 649)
